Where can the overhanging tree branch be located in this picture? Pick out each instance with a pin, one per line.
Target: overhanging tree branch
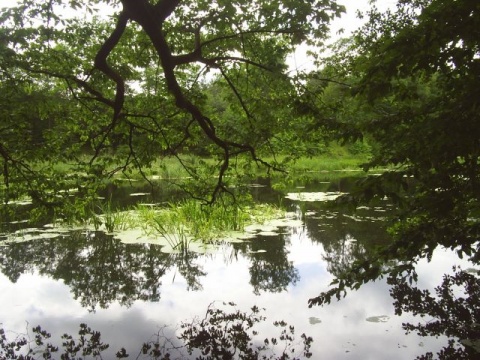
(102, 64)
(153, 28)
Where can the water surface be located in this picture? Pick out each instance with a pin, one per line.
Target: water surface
(129, 292)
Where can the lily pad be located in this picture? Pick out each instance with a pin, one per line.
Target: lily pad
(257, 251)
(139, 194)
(378, 319)
(313, 196)
(137, 236)
(257, 185)
(268, 233)
(23, 237)
(238, 236)
(286, 222)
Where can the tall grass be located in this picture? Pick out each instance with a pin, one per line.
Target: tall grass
(195, 219)
(112, 220)
(170, 168)
(337, 158)
(191, 220)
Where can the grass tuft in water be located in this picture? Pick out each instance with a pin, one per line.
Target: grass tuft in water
(192, 220)
(182, 222)
(111, 219)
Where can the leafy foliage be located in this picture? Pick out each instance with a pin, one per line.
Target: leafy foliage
(413, 72)
(113, 94)
(454, 309)
(227, 336)
(221, 334)
(87, 344)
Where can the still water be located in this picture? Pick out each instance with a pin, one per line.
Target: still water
(130, 292)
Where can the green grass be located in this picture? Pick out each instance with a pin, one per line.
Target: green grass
(190, 219)
(327, 163)
(186, 221)
(197, 220)
(170, 168)
(111, 219)
(338, 158)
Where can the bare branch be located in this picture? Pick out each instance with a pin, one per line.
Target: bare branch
(237, 94)
(102, 64)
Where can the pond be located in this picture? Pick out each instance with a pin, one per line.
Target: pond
(131, 293)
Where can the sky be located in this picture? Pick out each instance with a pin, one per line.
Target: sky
(348, 22)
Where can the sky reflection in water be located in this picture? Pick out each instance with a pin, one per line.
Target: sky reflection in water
(234, 273)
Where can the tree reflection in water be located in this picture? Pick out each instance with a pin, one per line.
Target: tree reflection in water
(270, 269)
(221, 334)
(454, 311)
(98, 269)
(346, 235)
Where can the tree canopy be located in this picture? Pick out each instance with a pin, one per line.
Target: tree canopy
(413, 75)
(130, 87)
